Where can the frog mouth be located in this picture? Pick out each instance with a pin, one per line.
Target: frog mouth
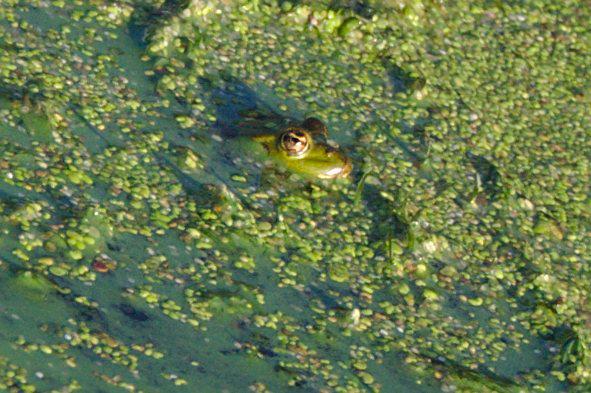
(338, 172)
(295, 142)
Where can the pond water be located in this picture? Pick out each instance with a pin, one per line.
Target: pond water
(149, 244)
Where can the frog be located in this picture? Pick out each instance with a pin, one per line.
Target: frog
(302, 147)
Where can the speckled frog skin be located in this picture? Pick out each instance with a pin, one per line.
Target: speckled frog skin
(302, 148)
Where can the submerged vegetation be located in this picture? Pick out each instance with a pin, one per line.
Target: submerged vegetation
(138, 237)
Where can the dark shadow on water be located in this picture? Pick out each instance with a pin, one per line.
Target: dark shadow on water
(147, 16)
(488, 173)
(240, 111)
(402, 80)
(133, 313)
(388, 222)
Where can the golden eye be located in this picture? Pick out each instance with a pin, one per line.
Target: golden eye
(295, 142)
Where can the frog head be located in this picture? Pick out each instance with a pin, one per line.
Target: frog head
(303, 149)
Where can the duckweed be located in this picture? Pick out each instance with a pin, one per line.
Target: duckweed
(454, 259)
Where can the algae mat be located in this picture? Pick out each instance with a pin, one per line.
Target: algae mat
(144, 248)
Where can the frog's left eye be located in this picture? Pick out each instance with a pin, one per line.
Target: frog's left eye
(295, 142)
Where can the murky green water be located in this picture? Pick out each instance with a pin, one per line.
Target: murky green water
(147, 246)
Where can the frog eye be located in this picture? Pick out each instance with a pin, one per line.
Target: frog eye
(295, 142)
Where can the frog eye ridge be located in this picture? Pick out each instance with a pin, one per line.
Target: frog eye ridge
(315, 126)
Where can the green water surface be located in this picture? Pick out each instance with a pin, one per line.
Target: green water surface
(147, 246)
